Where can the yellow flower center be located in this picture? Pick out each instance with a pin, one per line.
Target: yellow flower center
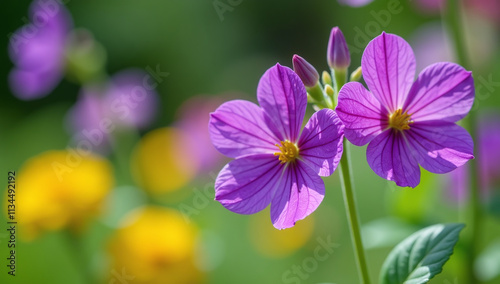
(288, 152)
(400, 120)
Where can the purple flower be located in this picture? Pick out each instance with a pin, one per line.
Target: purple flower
(407, 123)
(488, 159)
(193, 117)
(337, 53)
(37, 50)
(275, 164)
(124, 102)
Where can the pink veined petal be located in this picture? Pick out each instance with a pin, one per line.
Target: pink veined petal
(246, 185)
(320, 145)
(389, 69)
(363, 115)
(390, 158)
(238, 128)
(299, 194)
(283, 97)
(443, 91)
(440, 147)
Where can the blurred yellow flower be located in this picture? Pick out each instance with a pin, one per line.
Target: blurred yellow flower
(162, 161)
(60, 189)
(278, 243)
(155, 245)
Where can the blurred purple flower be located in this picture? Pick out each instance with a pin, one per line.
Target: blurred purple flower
(275, 164)
(489, 151)
(430, 6)
(125, 102)
(37, 50)
(193, 118)
(407, 123)
(488, 158)
(355, 3)
(431, 44)
(488, 8)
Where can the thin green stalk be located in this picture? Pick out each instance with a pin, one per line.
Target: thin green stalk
(340, 77)
(346, 183)
(78, 253)
(453, 19)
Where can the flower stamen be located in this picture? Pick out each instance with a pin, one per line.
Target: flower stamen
(400, 120)
(288, 152)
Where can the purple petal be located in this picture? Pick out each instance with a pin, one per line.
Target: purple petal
(443, 91)
(488, 139)
(247, 185)
(37, 50)
(33, 84)
(283, 97)
(320, 145)
(88, 112)
(297, 196)
(440, 148)
(238, 128)
(363, 115)
(135, 100)
(390, 157)
(388, 66)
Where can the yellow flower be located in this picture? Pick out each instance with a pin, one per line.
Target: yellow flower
(278, 243)
(163, 162)
(60, 189)
(155, 245)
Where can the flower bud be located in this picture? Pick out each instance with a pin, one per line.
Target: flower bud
(327, 78)
(338, 54)
(329, 90)
(356, 75)
(307, 73)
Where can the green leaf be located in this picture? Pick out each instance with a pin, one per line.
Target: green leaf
(420, 256)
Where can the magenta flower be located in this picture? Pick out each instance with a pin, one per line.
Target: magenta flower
(37, 50)
(407, 123)
(275, 164)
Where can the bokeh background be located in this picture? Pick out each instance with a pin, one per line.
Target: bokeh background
(140, 208)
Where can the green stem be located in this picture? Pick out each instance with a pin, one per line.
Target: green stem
(453, 19)
(346, 183)
(125, 141)
(78, 252)
(340, 77)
